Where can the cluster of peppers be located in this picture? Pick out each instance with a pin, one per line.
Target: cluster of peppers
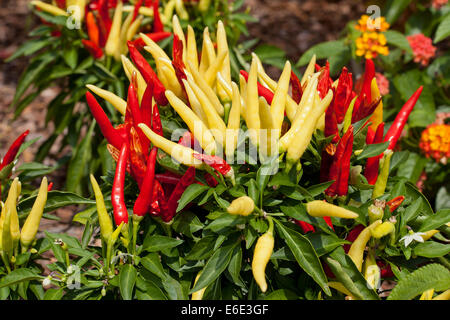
(202, 93)
(109, 35)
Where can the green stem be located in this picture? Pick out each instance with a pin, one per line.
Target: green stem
(6, 262)
(270, 224)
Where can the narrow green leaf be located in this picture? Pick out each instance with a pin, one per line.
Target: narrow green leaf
(127, 281)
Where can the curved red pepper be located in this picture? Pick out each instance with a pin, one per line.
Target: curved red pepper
(113, 136)
(324, 81)
(352, 235)
(188, 140)
(50, 186)
(144, 200)
(148, 74)
(93, 49)
(168, 177)
(92, 28)
(262, 91)
(117, 194)
(178, 64)
(13, 149)
(397, 126)
(157, 23)
(373, 163)
(395, 203)
(155, 36)
(137, 6)
(343, 95)
(297, 90)
(156, 121)
(214, 162)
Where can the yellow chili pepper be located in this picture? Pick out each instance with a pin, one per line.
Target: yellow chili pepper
(49, 8)
(443, 296)
(192, 53)
(308, 102)
(303, 137)
(377, 115)
(243, 89)
(348, 114)
(340, 287)
(196, 126)
(380, 184)
(203, 5)
(234, 121)
(427, 295)
(429, 234)
(225, 69)
(372, 272)
(153, 48)
(252, 104)
(225, 86)
(168, 12)
(261, 256)
(309, 69)
(130, 69)
(81, 4)
(319, 208)
(112, 46)
(181, 10)
(11, 210)
(279, 98)
(176, 26)
(194, 103)
(31, 225)
(268, 136)
(171, 81)
(117, 102)
(211, 74)
(123, 48)
(383, 229)
(291, 106)
(106, 227)
(242, 206)
(180, 153)
(208, 91)
(358, 246)
(198, 295)
(132, 30)
(215, 122)
(145, 11)
(208, 52)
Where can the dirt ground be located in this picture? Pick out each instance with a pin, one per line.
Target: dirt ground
(293, 25)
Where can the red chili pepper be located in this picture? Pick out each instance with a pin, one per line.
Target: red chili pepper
(159, 201)
(155, 36)
(262, 91)
(146, 105)
(168, 177)
(133, 108)
(306, 227)
(373, 163)
(157, 23)
(50, 186)
(104, 22)
(386, 271)
(186, 180)
(397, 126)
(178, 64)
(395, 203)
(188, 140)
(137, 6)
(331, 124)
(324, 81)
(211, 180)
(144, 200)
(13, 149)
(61, 4)
(340, 168)
(148, 74)
(343, 95)
(56, 33)
(214, 162)
(114, 137)
(117, 194)
(92, 28)
(93, 49)
(156, 121)
(352, 235)
(364, 110)
(297, 90)
(328, 222)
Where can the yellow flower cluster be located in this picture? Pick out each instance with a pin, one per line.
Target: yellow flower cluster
(435, 142)
(372, 41)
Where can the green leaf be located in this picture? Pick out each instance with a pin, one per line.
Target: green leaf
(324, 243)
(393, 9)
(155, 243)
(322, 50)
(127, 280)
(53, 294)
(77, 165)
(174, 289)
(318, 189)
(436, 220)
(373, 150)
(152, 262)
(202, 249)
(55, 200)
(305, 255)
(432, 276)
(19, 275)
(191, 192)
(70, 55)
(443, 30)
(410, 213)
(214, 267)
(235, 267)
(29, 47)
(431, 249)
(281, 294)
(397, 39)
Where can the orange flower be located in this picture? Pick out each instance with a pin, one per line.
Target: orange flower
(370, 44)
(422, 48)
(365, 23)
(435, 142)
